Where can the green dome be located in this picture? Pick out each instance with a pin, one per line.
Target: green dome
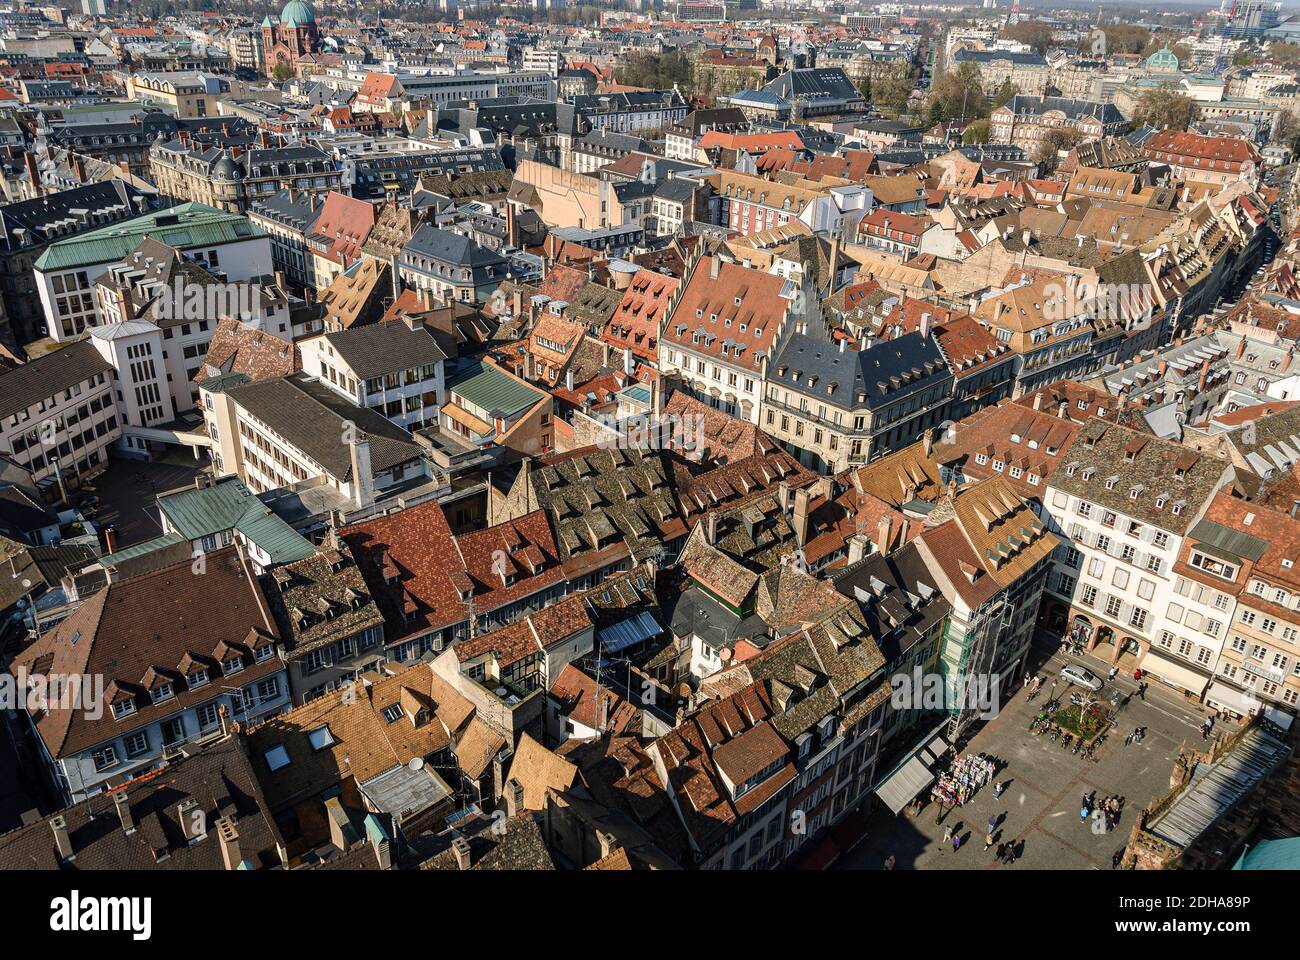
(297, 13)
(1163, 59)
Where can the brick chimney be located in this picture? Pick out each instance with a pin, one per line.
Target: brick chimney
(514, 797)
(460, 849)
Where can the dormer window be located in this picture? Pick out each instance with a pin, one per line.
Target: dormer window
(232, 666)
(197, 679)
(1160, 503)
(161, 692)
(123, 708)
(263, 653)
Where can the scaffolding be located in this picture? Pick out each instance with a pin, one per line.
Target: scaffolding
(979, 651)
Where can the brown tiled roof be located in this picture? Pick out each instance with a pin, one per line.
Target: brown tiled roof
(429, 566)
(238, 348)
(154, 621)
(219, 777)
(538, 770)
(363, 741)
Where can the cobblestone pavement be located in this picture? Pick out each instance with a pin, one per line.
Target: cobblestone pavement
(1039, 807)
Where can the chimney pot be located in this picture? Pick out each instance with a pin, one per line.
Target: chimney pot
(122, 803)
(460, 848)
(62, 839)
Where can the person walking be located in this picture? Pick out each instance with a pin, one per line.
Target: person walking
(1142, 691)
(988, 843)
(993, 824)
(1117, 858)
(1114, 671)
(956, 842)
(997, 789)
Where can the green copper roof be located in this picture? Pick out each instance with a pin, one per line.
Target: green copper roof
(143, 549)
(185, 226)
(493, 390)
(229, 505)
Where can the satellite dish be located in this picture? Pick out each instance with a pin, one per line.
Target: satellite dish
(415, 763)
(724, 654)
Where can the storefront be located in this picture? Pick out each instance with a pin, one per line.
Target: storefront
(1175, 675)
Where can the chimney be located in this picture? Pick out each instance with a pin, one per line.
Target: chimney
(714, 264)
(1241, 347)
(711, 530)
(1205, 374)
(568, 379)
(383, 852)
(882, 533)
(629, 366)
(193, 821)
(62, 840)
(122, 803)
(514, 797)
(33, 174)
(1063, 411)
(1038, 400)
(530, 366)
(784, 495)
(460, 848)
(110, 539)
(857, 548)
(608, 843)
(228, 837)
(843, 341)
(925, 326)
(1164, 365)
(801, 499)
(363, 478)
(927, 441)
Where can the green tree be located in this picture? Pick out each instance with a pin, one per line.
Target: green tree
(977, 131)
(864, 88)
(960, 94)
(1125, 38)
(892, 93)
(1165, 109)
(282, 71)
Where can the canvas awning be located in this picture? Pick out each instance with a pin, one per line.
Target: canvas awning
(913, 774)
(1175, 674)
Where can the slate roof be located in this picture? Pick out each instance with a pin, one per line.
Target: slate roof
(853, 379)
(312, 418)
(375, 349)
(28, 384)
(1167, 472)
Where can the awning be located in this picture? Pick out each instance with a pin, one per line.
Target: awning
(1230, 698)
(629, 633)
(912, 775)
(1175, 674)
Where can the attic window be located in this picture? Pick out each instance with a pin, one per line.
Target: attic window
(392, 713)
(277, 758)
(320, 738)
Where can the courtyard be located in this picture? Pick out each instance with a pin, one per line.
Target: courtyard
(1039, 806)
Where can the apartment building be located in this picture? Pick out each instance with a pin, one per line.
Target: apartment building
(395, 368)
(1213, 161)
(723, 329)
(215, 662)
(1027, 121)
(836, 406)
(222, 243)
(58, 413)
(1244, 551)
(1124, 505)
(281, 432)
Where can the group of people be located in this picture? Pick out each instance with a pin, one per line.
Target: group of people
(963, 780)
(1135, 736)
